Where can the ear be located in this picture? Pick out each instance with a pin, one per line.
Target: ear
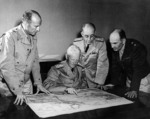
(82, 33)
(66, 56)
(123, 40)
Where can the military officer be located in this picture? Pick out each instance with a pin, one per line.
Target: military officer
(129, 66)
(19, 57)
(66, 76)
(93, 56)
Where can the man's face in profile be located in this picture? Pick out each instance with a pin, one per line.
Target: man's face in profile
(73, 60)
(115, 41)
(33, 26)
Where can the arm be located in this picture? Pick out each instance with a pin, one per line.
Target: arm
(102, 65)
(7, 64)
(53, 82)
(139, 58)
(51, 79)
(36, 69)
(37, 75)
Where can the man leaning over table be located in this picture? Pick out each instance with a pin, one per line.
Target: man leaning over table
(129, 67)
(67, 75)
(93, 56)
(19, 57)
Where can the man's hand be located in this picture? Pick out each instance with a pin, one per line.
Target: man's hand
(20, 99)
(41, 88)
(105, 87)
(131, 94)
(71, 91)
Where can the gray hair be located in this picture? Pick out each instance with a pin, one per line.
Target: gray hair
(89, 25)
(73, 50)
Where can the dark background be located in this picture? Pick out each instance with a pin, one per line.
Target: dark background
(62, 20)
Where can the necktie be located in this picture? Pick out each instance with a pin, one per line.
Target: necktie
(87, 47)
(72, 69)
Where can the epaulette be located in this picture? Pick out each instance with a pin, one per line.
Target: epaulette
(59, 66)
(99, 39)
(2, 35)
(1, 42)
(14, 29)
(133, 43)
(78, 39)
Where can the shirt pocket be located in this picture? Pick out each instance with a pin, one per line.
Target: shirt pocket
(94, 54)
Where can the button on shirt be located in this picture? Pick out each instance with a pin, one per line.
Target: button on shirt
(95, 60)
(19, 57)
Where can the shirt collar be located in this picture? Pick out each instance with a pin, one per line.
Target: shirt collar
(23, 36)
(123, 47)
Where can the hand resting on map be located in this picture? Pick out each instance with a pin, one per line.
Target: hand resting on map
(71, 91)
(41, 88)
(105, 87)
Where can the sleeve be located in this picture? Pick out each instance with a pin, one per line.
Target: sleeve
(36, 69)
(102, 65)
(52, 78)
(139, 58)
(7, 63)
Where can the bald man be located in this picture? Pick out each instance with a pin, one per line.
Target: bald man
(129, 66)
(19, 57)
(93, 56)
(66, 76)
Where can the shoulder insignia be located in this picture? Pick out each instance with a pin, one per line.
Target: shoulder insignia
(59, 66)
(133, 43)
(99, 39)
(1, 43)
(78, 39)
(2, 35)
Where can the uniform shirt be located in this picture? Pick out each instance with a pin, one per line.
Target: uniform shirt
(19, 57)
(61, 75)
(133, 64)
(94, 61)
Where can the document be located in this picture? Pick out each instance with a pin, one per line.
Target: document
(58, 104)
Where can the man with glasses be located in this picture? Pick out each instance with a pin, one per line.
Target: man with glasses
(93, 58)
(67, 75)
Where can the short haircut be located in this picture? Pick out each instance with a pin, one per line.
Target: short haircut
(28, 15)
(90, 25)
(73, 50)
(121, 33)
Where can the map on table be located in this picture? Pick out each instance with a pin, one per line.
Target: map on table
(58, 104)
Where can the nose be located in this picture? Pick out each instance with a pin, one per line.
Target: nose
(89, 38)
(38, 28)
(112, 45)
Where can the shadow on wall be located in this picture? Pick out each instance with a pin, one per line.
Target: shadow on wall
(78, 35)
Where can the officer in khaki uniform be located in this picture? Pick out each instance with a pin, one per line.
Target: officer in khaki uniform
(19, 57)
(67, 75)
(93, 56)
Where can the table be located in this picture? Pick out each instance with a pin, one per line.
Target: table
(140, 109)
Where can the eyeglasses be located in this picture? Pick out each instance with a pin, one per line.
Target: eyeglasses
(89, 36)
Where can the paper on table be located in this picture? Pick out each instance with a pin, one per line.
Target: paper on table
(58, 104)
